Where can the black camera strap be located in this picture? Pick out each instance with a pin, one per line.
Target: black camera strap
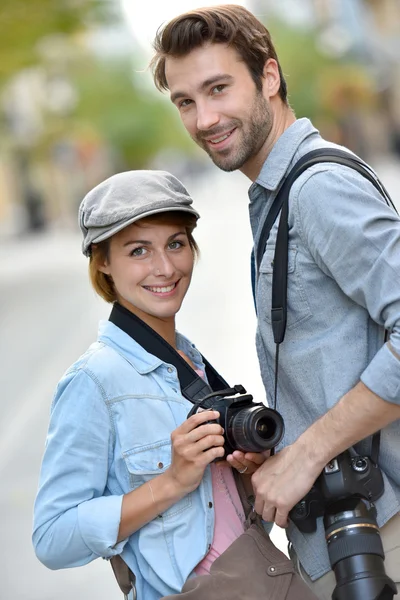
(280, 264)
(193, 387)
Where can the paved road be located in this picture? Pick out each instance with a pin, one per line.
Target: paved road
(48, 317)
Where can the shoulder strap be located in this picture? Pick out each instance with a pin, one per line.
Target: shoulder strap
(193, 387)
(279, 274)
(332, 155)
(279, 277)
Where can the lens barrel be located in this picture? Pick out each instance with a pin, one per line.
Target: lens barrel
(356, 556)
(255, 429)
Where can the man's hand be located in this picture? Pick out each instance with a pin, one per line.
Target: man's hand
(281, 482)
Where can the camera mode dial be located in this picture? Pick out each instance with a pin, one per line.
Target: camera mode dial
(360, 464)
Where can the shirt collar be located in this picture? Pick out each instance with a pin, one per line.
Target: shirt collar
(282, 154)
(136, 355)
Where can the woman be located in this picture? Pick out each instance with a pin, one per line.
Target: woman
(124, 470)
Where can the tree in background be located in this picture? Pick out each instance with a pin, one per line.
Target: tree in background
(334, 93)
(73, 113)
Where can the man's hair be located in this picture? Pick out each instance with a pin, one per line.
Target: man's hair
(229, 24)
(103, 283)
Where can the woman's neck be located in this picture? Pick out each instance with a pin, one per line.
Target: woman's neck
(164, 327)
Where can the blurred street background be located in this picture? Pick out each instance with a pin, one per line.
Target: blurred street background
(77, 104)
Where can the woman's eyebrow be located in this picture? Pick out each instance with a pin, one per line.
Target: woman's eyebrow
(137, 242)
(148, 243)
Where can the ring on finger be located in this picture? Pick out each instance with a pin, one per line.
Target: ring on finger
(241, 471)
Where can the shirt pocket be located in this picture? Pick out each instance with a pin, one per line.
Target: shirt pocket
(298, 308)
(146, 462)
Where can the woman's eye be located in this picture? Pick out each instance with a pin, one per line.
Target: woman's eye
(175, 245)
(138, 251)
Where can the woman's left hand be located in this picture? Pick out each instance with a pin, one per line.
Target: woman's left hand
(246, 463)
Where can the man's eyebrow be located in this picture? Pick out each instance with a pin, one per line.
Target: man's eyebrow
(220, 77)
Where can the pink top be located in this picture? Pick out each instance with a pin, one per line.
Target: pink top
(228, 513)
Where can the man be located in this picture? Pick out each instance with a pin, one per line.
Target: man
(338, 383)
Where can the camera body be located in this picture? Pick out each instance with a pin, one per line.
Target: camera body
(344, 477)
(344, 494)
(248, 426)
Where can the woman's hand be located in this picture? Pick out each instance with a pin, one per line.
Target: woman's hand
(195, 444)
(246, 463)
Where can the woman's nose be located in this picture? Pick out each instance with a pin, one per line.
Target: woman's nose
(163, 265)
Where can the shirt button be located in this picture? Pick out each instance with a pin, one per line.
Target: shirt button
(160, 465)
(170, 370)
(210, 505)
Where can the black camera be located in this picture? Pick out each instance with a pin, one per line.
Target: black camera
(344, 494)
(248, 426)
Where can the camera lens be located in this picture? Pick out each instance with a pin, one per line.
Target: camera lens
(356, 554)
(256, 428)
(266, 428)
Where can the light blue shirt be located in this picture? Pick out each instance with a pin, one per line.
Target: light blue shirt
(111, 421)
(343, 290)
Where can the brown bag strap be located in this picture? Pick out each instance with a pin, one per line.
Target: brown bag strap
(125, 577)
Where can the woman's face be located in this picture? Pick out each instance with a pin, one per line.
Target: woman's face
(151, 266)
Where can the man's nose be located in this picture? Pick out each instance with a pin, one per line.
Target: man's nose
(207, 116)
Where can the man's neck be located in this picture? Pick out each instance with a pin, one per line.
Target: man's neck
(284, 117)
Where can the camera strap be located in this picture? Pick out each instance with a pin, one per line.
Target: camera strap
(280, 263)
(193, 387)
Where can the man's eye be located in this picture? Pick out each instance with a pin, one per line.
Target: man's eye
(218, 88)
(138, 251)
(185, 103)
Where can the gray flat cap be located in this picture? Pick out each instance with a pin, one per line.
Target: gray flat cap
(127, 197)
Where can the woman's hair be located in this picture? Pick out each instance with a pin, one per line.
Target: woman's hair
(227, 24)
(102, 283)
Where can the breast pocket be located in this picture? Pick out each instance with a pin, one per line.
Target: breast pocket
(146, 462)
(298, 308)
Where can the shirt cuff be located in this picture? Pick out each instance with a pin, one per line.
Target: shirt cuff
(382, 376)
(99, 521)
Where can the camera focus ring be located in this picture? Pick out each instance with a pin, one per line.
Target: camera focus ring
(344, 543)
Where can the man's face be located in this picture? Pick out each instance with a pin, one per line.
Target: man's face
(219, 104)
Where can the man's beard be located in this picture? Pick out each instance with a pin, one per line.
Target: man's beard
(252, 132)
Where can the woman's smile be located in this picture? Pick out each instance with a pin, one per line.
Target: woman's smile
(166, 290)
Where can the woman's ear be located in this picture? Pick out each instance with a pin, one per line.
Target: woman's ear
(104, 268)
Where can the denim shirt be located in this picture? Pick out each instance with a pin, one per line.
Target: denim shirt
(343, 291)
(111, 421)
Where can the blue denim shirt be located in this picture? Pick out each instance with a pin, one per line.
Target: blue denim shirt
(343, 290)
(109, 432)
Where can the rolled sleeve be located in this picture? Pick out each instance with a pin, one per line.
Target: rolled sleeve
(76, 519)
(382, 375)
(99, 521)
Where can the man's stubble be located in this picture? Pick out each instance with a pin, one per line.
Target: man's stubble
(253, 132)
